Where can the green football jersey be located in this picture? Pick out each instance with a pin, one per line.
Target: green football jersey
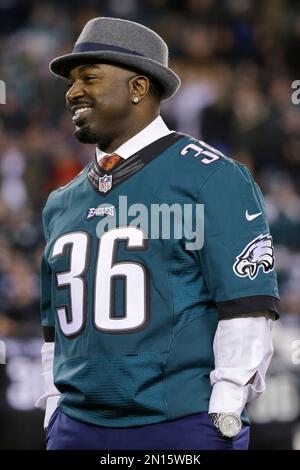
(140, 264)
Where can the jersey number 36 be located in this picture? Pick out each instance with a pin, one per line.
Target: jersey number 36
(72, 317)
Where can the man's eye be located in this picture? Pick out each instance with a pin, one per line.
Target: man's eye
(89, 77)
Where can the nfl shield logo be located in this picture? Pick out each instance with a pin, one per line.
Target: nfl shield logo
(105, 183)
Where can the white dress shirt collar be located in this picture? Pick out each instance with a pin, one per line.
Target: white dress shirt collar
(154, 131)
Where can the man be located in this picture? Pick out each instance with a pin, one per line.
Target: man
(157, 342)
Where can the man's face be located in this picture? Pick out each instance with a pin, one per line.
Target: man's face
(99, 101)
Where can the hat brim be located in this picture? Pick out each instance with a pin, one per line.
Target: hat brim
(168, 80)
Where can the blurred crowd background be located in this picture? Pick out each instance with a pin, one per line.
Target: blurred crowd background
(237, 60)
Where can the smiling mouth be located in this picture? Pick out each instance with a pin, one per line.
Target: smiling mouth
(81, 114)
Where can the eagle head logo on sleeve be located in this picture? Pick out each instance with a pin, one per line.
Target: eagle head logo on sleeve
(259, 253)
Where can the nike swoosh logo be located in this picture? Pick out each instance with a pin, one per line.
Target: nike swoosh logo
(252, 216)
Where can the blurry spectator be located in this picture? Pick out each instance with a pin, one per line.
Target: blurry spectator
(283, 206)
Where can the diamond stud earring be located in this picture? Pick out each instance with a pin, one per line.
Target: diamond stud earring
(135, 100)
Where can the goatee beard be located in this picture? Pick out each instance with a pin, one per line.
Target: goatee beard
(86, 136)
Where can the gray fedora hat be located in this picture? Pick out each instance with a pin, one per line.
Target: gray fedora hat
(122, 42)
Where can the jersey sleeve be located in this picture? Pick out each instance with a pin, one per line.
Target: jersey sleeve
(237, 256)
(47, 316)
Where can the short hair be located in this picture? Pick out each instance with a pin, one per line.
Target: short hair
(155, 88)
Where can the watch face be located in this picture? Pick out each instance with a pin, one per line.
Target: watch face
(230, 425)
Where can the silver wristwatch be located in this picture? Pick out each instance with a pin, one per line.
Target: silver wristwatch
(229, 424)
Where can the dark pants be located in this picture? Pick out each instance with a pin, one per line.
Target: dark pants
(195, 432)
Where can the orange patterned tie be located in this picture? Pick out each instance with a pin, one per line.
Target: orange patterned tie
(110, 161)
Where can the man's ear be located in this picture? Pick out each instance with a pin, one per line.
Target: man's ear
(139, 86)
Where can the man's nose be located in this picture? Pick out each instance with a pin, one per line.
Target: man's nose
(75, 92)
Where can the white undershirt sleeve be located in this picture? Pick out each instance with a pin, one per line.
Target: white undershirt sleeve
(49, 399)
(243, 350)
